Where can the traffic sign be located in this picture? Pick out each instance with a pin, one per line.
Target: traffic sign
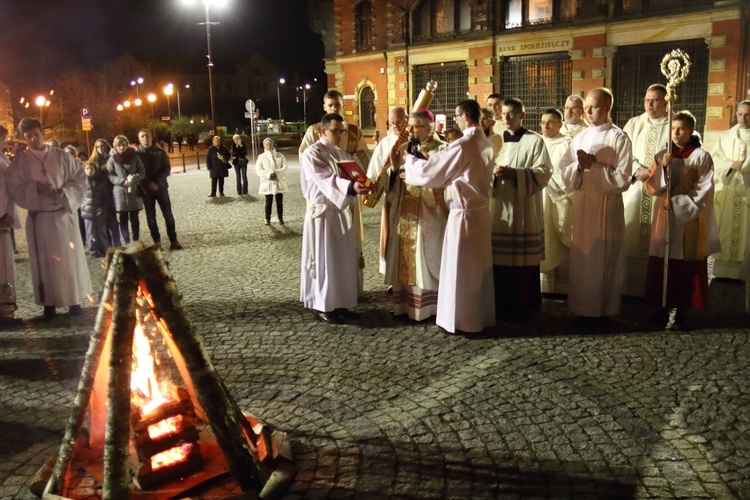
(250, 106)
(85, 113)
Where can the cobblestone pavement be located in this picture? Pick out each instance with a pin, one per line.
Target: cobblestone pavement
(396, 409)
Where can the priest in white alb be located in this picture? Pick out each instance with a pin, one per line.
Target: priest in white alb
(558, 209)
(516, 209)
(731, 156)
(465, 299)
(8, 221)
(379, 160)
(648, 134)
(330, 259)
(598, 168)
(49, 183)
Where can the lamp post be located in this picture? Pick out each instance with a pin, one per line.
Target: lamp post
(305, 88)
(41, 101)
(208, 23)
(177, 89)
(152, 99)
(137, 84)
(278, 94)
(168, 90)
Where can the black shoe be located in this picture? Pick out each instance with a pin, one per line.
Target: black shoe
(212, 196)
(660, 318)
(345, 313)
(267, 223)
(49, 313)
(681, 323)
(328, 317)
(281, 222)
(175, 245)
(221, 194)
(75, 310)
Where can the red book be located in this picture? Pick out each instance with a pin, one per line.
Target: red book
(354, 172)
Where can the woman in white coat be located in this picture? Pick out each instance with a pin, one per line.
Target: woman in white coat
(271, 169)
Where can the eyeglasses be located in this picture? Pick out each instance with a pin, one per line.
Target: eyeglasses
(337, 131)
(456, 117)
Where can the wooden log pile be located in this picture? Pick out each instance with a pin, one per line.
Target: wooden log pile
(259, 462)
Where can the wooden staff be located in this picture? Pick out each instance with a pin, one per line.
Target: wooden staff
(675, 66)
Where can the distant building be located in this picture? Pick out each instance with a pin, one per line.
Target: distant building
(380, 53)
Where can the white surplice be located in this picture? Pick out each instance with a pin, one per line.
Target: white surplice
(353, 143)
(56, 252)
(466, 296)
(647, 137)
(329, 255)
(598, 222)
(732, 201)
(686, 206)
(516, 206)
(572, 130)
(558, 204)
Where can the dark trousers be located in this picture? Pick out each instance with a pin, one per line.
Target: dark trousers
(149, 204)
(241, 174)
(134, 223)
(220, 182)
(279, 205)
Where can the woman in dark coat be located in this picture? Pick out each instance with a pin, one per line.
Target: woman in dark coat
(239, 161)
(125, 171)
(217, 162)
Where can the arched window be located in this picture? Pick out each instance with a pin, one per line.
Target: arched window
(363, 13)
(366, 109)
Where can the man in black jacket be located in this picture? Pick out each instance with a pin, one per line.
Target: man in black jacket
(155, 188)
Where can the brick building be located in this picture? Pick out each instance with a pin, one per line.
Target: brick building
(379, 53)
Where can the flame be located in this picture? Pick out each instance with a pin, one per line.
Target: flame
(148, 391)
(165, 427)
(171, 456)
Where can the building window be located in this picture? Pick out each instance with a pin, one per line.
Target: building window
(636, 67)
(366, 109)
(363, 13)
(532, 12)
(540, 81)
(453, 84)
(443, 17)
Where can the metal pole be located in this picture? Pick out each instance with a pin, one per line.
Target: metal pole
(183, 163)
(304, 104)
(210, 68)
(179, 115)
(169, 108)
(278, 98)
(198, 158)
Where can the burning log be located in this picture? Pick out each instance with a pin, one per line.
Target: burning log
(222, 413)
(116, 449)
(149, 477)
(146, 446)
(182, 407)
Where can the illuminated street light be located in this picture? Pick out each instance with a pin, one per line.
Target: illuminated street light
(152, 99)
(120, 107)
(126, 104)
(168, 91)
(304, 101)
(41, 101)
(177, 89)
(208, 23)
(278, 94)
(137, 84)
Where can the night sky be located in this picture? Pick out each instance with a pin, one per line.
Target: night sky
(40, 39)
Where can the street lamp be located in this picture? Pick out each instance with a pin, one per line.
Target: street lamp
(137, 84)
(41, 101)
(208, 23)
(278, 94)
(304, 101)
(168, 90)
(179, 113)
(152, 99)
